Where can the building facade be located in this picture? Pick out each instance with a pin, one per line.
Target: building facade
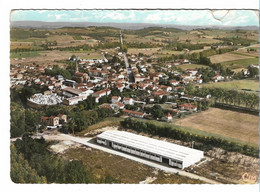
(156, 150)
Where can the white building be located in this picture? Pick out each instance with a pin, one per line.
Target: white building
(73, 100)
(71, 92)
(128, 101)
(156, 150)
(116, 99)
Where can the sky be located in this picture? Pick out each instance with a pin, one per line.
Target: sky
(178, 17)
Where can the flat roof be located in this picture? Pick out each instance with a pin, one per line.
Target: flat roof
(158, 147)
(72, 90)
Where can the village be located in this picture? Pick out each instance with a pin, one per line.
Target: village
(102, 77)
(121, 100)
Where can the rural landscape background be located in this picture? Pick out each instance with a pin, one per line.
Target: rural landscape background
(191, 83)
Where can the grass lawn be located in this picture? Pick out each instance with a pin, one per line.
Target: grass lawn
(237, 126)
(236, 85)
(240, 63)
(24, 54)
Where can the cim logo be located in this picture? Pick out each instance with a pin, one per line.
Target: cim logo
(249, 178)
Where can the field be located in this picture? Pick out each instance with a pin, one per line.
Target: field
(49, 57)
(228, 57)
(166, 52)
(146, 51)
(236, 85)
(24, 54)
(239, 126)
(21, 45)
(190, 66)
(103, 164)
(241, 63)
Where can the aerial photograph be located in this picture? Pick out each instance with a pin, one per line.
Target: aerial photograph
(134, 96)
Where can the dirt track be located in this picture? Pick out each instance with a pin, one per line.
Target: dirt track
(87, 142)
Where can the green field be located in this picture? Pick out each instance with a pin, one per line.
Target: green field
(236, 85)
(24, 54)
(77, 38)
(240, 63)
(190, 66)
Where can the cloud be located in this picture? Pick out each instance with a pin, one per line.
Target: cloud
(114, 16)
(17, 15)
(132, 15)
(59, 16)
(42, 11)
(153, 17)
(179, 17)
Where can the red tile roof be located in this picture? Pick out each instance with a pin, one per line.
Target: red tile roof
(187, 105)
(120, 104)
(160, 93)
(126, 98)
(133, 112)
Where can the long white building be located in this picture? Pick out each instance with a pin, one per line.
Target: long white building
(156, 150)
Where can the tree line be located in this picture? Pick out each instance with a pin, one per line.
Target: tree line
(174, 132)
(233, 97)
(236, 41)
(180, 46)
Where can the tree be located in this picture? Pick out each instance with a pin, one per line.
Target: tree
(164, 99)
(21, 172)
(189, 89)
(17, 120)
(124, 48)
(253, 71)
(32, 118)
(77, 173)
(157, 111)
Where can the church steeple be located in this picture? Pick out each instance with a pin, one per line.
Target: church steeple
(77, 64)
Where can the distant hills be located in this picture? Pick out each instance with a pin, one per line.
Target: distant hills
(132, 26)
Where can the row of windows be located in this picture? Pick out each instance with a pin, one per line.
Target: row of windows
(137, 150)
(140, 152)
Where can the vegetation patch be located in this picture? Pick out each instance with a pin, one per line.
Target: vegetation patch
(24, 54)
(77, 38)
(176, 132)
(240, 63)
(236, 85)
(191, 66)
(107, 122)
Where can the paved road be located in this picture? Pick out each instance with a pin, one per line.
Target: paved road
(126, 62)
(87, 142)
(129, 70)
